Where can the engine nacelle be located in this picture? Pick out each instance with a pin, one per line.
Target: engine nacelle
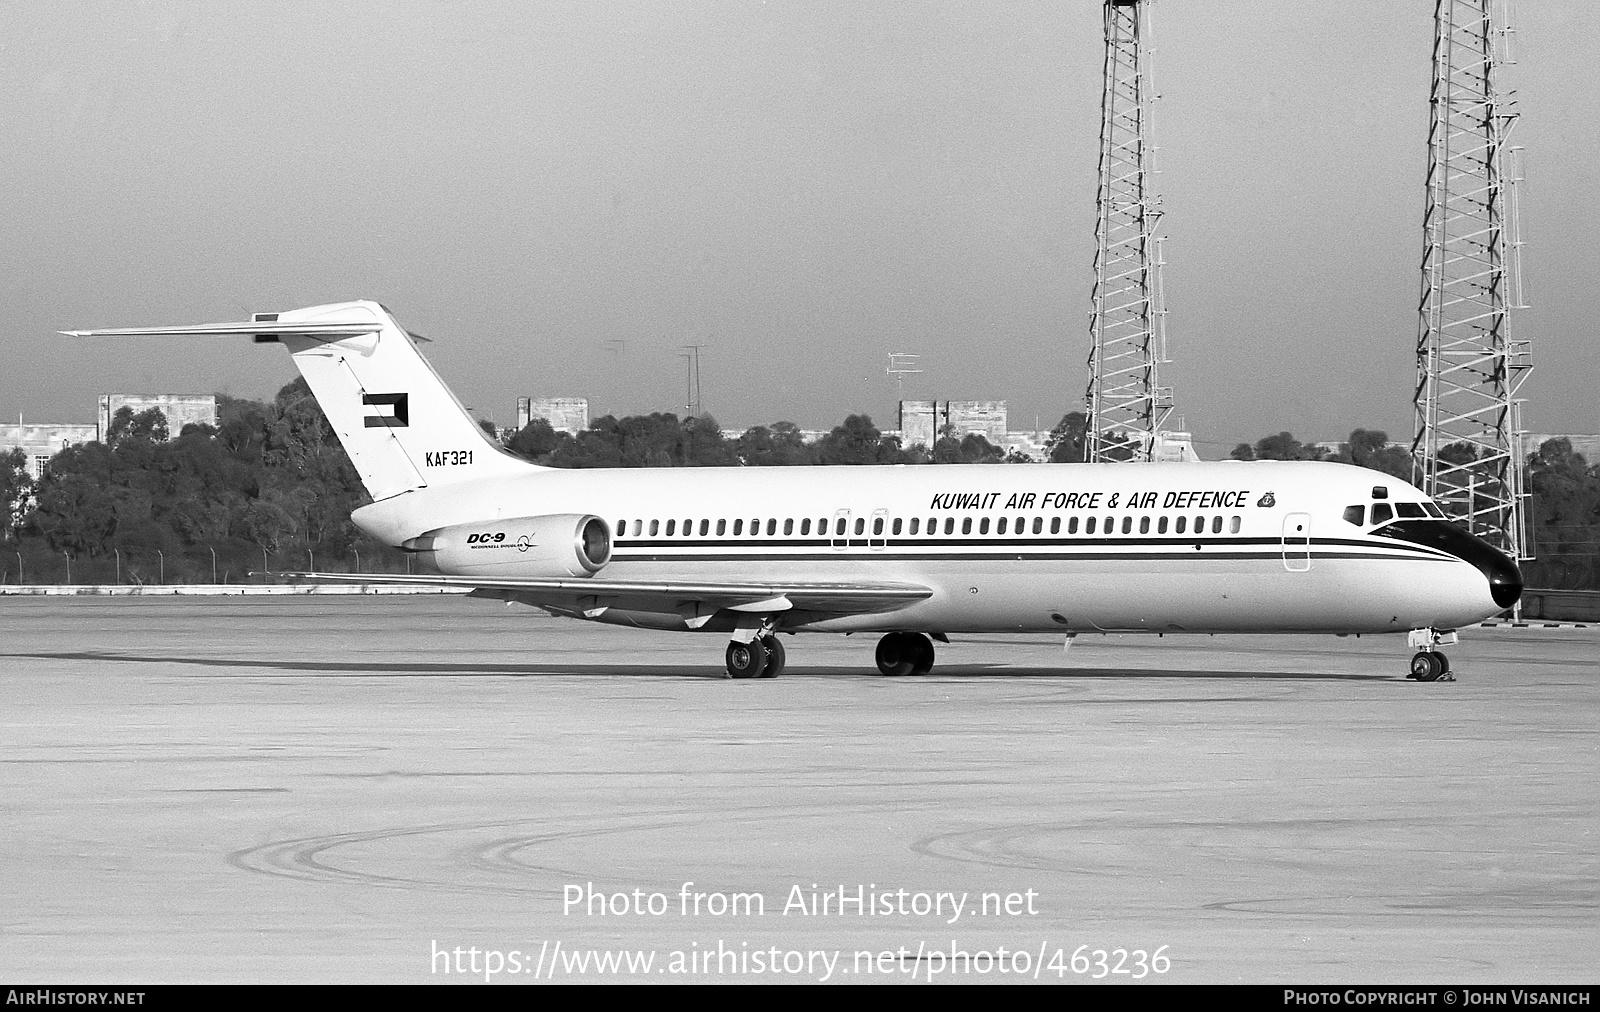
(562, 544)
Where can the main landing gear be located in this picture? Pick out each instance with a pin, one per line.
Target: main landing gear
(1429, 665)
(905, 654)
(762, 657)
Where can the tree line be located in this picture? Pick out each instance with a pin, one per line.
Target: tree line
(270, 487)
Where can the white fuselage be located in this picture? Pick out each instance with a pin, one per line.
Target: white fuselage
(1196, 547)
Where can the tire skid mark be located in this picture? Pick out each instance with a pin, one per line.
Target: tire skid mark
(1009, 846)
(309, 859)
(1555, 904)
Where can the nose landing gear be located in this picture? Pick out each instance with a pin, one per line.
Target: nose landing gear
(1430, 667)
(1428, 664)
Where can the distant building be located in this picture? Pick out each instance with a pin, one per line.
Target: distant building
(179, 409)
(919, 423)
(925, 421)
(41, 442)
(1171, 445)
(984, 418)
(565, 414)
(1028, 443)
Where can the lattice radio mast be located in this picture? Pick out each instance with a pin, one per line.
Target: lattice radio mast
(1467, 448)
(1128, 320)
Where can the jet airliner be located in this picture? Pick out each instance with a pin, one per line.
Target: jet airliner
(912, 552)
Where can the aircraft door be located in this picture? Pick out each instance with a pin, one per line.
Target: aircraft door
(878, 533)
(840, 535)
(1297, 542)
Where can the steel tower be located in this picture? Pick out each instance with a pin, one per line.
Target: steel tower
(1127, 321)
(1467, 448)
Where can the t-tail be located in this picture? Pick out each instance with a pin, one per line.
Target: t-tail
(400, 424)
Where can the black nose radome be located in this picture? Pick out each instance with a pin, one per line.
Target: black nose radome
(1506, 587)
(1505, 580)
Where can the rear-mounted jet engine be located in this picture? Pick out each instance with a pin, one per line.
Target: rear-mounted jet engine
(560, 545)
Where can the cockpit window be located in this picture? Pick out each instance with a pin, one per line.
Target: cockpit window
(1380, 491)
(1355, 515)
(1433, 510)
(1382, 513)
(1409, 510)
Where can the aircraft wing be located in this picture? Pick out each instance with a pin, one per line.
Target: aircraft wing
(696, 601)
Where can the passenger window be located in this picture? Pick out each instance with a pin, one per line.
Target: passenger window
(877, 526)
(1183, 524)
(788, 527)
(772, 527)
(983, 526)
(1055, 525)
(738, 528)
(1355, 515)
(1144, 525)
(1199, 525)
(1000, 526)
(861, 524)
(1216, 524)
(670, 525)
(622, 528)
(1409, 510)
(838, 528)
(1072, 525)
(1161, 525)
(896, 530)
(1233, 526)
(722, 528)
(755, 527)
(966, 525)
(915, 523)
(705, 528)
(805, 527)
(1038, 525)
(1127, 525)
(1088, 528)
(1382, 513)
(822, 527)
(1111, 525)
(949, 525)
(655, 526)
(1022, 525)
(638, 528)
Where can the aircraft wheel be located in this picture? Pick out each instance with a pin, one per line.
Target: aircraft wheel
(1426, 667)
(896, 654)
(923, 654)
(1444, 664)
(775, 657)
(746, 660)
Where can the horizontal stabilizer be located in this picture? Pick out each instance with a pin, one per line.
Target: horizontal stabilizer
(331, 331)
(400, 425)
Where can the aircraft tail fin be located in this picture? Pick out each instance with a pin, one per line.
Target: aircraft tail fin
(400, 424)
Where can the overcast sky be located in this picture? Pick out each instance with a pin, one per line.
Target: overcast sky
(560, 195)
